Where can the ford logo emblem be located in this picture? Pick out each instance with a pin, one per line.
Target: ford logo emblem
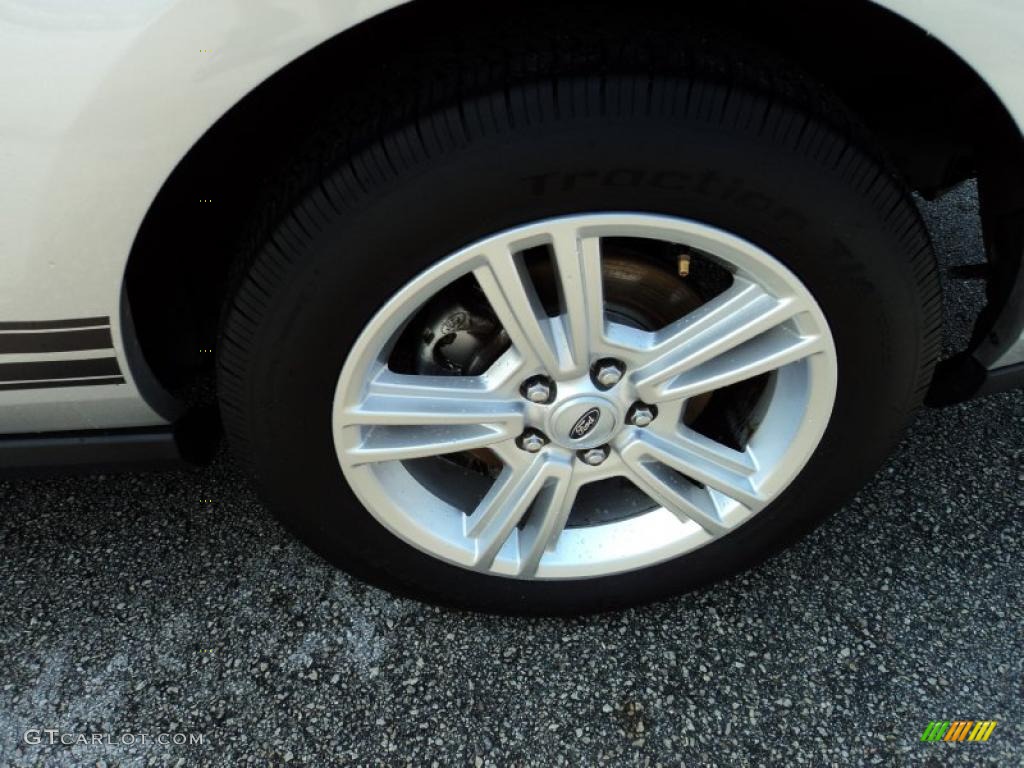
(585, 424)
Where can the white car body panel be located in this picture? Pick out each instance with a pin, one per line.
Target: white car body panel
(103, 98)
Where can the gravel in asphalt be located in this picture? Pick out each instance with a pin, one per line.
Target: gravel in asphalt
(128, 605)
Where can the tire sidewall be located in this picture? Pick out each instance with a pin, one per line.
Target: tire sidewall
(813, 211)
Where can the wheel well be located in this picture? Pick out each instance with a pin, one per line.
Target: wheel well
(936, 120)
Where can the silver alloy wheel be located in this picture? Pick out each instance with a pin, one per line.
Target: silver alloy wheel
(765, 322)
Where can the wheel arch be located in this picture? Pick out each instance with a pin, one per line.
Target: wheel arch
(932, 114)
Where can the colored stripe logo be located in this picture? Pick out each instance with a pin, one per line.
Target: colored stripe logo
(958, 730)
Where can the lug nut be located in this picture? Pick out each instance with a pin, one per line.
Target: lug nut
(642, 414)
(594, 456)
(608, 373)
(532, 441)
(539, 389)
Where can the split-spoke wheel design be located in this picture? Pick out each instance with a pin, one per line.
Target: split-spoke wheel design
(579, 391)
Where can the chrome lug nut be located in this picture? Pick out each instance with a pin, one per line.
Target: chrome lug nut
(531, 441)
(539, 389)
(594, 456)
(608, 373)
(642, 414)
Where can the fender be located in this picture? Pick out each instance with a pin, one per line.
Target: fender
(101, 101)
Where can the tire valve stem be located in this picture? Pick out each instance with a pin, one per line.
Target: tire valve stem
(684, 264)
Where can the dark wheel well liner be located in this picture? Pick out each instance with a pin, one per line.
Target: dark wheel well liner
(931, 114)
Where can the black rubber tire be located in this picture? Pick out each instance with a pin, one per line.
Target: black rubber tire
(778, 170)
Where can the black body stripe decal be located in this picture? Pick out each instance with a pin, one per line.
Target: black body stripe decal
(56, 341)
(34, 337)
(44, 325)
(59, 369)
(64, 383)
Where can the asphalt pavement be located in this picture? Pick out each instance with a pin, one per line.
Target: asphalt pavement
(168, 606)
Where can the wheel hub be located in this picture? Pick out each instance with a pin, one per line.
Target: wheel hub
(583, 421)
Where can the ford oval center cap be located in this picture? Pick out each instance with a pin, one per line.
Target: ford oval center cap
(583, 422)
